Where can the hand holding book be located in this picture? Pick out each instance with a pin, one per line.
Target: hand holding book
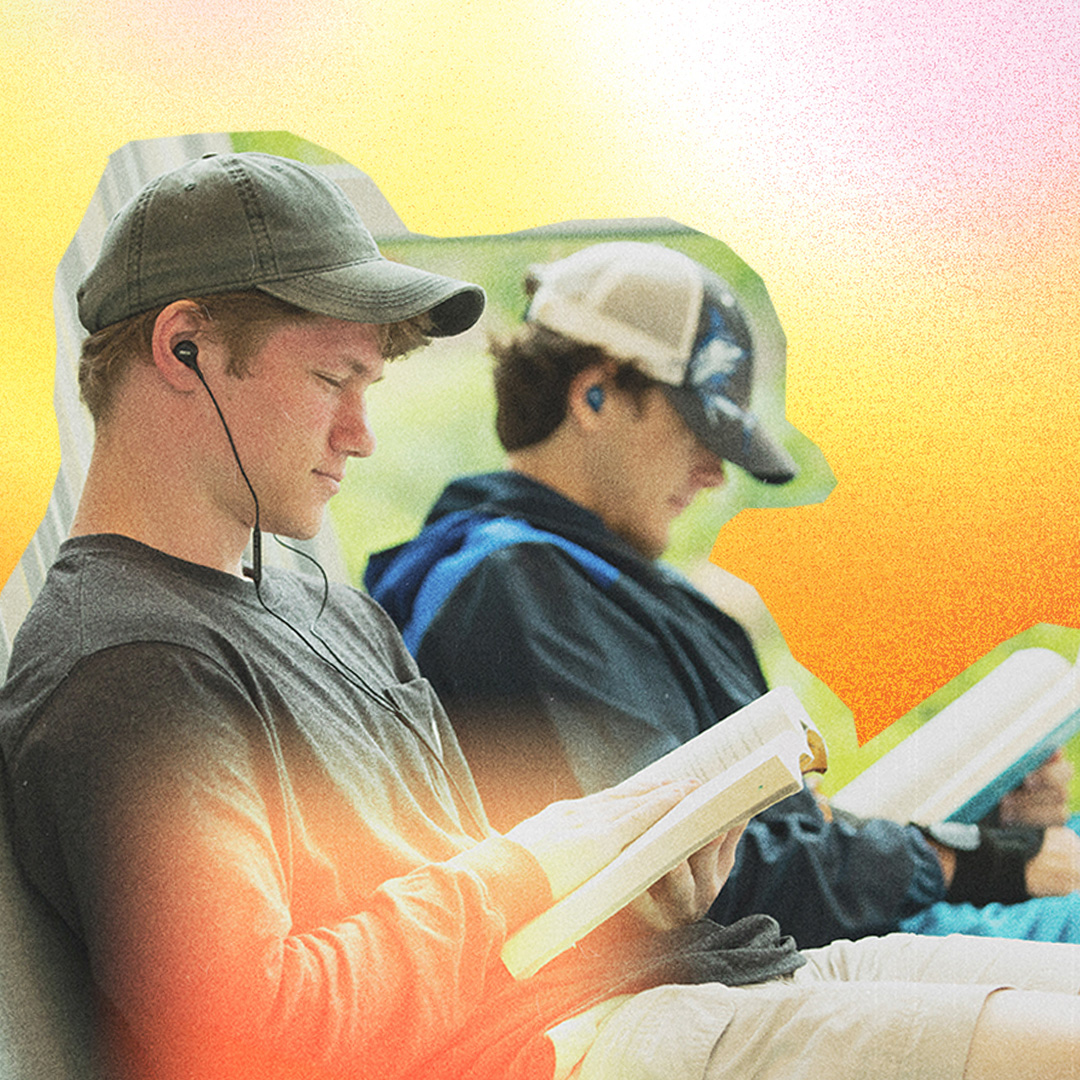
(685, 894)
(1055, 870)
(1043, 796)
(572, 839)
(735, 769)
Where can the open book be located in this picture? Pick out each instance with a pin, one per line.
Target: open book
(750, 760)
(960, 763)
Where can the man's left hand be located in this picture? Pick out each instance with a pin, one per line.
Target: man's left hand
(686, 893)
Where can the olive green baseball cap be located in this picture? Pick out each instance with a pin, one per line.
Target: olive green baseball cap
(232, 222)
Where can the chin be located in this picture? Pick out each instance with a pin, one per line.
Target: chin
(649, 547)
(294, 529)
(306, 532)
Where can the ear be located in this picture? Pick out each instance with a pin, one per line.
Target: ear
(589, 393)
(182, 320)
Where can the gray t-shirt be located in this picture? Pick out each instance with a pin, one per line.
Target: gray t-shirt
(269, 848)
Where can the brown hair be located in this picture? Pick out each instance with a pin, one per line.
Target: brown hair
(241, 320)
(533, 372)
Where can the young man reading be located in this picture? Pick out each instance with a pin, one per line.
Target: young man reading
(568, 657)
(234, 789)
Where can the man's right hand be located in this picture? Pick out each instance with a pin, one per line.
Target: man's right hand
(1055, 870)
(575, 838)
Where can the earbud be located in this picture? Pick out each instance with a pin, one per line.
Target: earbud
(187, 352)
(594, 396)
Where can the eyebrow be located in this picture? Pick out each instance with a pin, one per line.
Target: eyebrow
(358, 367)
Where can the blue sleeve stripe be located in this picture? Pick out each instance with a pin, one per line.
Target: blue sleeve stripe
(485, 537)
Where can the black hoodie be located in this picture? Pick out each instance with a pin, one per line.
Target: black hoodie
(567, 661)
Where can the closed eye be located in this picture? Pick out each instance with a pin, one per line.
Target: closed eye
(330, 380)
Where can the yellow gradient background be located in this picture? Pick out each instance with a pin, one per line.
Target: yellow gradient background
(904, 180)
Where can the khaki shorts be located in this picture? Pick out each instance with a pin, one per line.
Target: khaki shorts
(896, 1008)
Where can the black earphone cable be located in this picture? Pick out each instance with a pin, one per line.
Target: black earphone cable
(190, 359)
(355, 679)
(256, 532)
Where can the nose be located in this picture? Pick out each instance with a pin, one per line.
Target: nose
(351, 433)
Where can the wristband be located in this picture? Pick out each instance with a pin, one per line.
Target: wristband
(993, 869)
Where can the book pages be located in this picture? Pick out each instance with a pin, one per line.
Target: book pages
(965, 739)
(747, 762)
